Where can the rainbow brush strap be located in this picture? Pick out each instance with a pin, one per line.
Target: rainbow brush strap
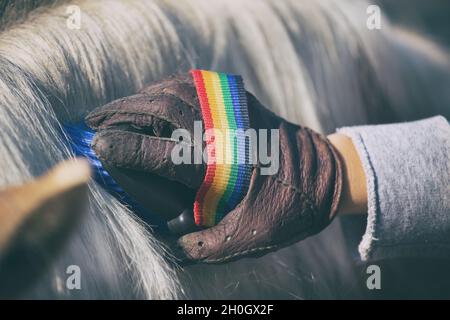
(224, 109)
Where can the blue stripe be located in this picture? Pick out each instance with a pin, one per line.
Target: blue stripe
(242, 100)
(235, 91)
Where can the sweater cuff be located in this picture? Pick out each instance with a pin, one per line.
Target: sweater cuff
(407, 168)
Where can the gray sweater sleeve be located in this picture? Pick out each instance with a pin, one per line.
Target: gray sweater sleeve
(407, 169)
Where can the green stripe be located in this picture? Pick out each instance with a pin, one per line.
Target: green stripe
(228, 102)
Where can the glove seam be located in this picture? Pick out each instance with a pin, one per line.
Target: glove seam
(243, 253)
(191, 106)
(113, 112)
(307, 200)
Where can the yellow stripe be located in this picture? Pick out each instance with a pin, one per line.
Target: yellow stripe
(209, 200)
(225, 167)
(220, 121)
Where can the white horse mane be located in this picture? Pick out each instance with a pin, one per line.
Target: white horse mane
(313, 62)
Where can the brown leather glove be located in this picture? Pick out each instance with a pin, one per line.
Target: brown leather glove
(299, 200)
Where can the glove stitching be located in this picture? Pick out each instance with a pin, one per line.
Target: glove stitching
(190, 105)
(242, 253)
(306, 200)
(114, 112)
(245, 252)
(304, 197)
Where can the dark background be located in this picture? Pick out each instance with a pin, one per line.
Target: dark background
(431, 17)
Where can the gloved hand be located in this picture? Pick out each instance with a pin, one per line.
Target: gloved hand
(299, 200)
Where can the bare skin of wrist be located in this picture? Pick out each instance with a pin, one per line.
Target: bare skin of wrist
(354, 193)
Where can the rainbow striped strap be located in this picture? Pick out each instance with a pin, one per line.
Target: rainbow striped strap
(225, 115)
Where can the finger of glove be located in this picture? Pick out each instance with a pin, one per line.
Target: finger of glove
(181, 86)
(140, 152)
(145, 111)
(228, 241)
(245, 231)
(179, 78)
(210, 245)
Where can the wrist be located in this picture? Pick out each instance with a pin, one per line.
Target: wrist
(354, 192)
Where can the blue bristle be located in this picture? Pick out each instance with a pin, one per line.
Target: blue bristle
(80, 138)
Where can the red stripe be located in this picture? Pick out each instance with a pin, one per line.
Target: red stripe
(211, 168)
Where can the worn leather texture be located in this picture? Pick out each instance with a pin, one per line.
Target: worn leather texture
(299, 200)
